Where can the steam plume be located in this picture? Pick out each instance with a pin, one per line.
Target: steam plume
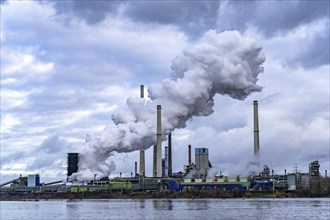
(223, 63)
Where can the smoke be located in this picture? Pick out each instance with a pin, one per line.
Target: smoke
(220, 63)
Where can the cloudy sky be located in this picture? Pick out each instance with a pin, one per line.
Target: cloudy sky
(67, 66)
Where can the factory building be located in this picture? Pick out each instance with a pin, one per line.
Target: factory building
(33, 180)
(298, 181)
(314, 168)
(73, 159)
(201, 162)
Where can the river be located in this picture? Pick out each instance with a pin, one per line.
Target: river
(156, 209)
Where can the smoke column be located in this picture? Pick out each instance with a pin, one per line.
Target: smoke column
(220, 63)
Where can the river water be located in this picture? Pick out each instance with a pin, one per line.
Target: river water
(166, 209)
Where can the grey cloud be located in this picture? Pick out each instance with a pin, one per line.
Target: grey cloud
(280, 17)
(270, 17)
(91, 11)
(52, 144)
(194, 17)
(3, 2)
(42, 162)
(50, 150)
(314, 53)
(11, 158)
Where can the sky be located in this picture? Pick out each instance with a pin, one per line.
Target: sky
(71, 72)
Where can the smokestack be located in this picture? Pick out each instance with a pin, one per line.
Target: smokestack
(256, 133)
(154, 160)
(166, 162)
(169, 155)
(141, 91)
(163, 167)
(135, 168)
(189, 155)
(142, 154)
(159, 141)
(326, 174)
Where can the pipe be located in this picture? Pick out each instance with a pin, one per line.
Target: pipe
(169, 155)
(159, 141)
(189, 155)
(8, 182)
(52, 183)
(142, 153)
(166, 162)
(256, 133)
(135, 168)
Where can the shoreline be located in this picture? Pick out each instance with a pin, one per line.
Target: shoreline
(147, 195)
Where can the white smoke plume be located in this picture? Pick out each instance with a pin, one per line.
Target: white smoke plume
(220, 63)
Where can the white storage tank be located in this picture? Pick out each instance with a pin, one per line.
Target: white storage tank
(220, 180)
(209, 180)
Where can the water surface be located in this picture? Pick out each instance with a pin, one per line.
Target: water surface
(167, 209)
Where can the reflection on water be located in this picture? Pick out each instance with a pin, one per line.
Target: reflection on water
(167, 209)
(162, 204)
(142, 203)
(317, 203)
(197, 204)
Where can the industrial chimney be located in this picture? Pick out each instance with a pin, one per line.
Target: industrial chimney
(154, 161)
(166, 162)
(159, 141)
(135, 170)
(256, 133)
(169, 155)
(189, 155)
(142, 154)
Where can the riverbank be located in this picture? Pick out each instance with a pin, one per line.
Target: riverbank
(144, 195)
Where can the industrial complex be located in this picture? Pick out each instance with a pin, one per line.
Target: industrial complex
(194, 177)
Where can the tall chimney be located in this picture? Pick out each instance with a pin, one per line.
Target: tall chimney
(154, 160)
(142, 154)
(135, 169)
(141, 91)
(189, 155)
(159, 141)
(169, 155)
(166, 162)
(256, 133)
